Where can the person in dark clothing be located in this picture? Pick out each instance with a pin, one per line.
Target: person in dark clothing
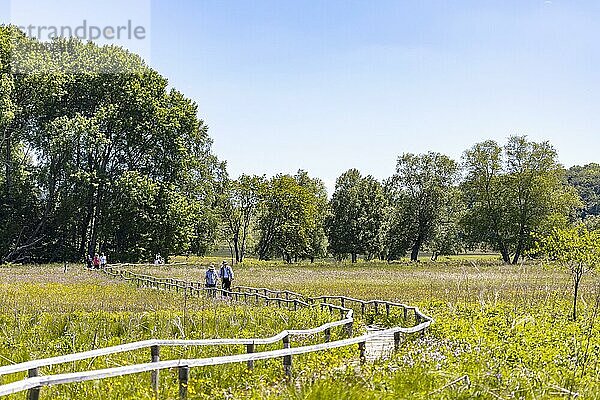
(226, 275)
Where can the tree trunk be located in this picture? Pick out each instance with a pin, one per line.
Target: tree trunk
(519, 249)
(577, 280)
(354, 257)
(236, 248)
(8, 164)
(516, 257)
(84, 230)
(95, 222)
(414, 254)
(242, 249)
(505, 255)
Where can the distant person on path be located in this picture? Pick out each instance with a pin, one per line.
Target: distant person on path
(89, 261)
(211, 277)
(226, 275)
(96, 261)
(211, 280)
(102, 260)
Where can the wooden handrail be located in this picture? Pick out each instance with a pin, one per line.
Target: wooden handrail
(254, 291)
(197, 362)
(9, 369)
(35, 382)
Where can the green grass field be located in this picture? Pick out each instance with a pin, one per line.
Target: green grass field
(506, 328)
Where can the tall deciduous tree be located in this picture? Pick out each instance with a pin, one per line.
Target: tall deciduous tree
(288, 218)
(417, 191)
(238, 209)
(317, 239)
(357, 211)
(98, 122)
(512, 192)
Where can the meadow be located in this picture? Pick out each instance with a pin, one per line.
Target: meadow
(500, 332)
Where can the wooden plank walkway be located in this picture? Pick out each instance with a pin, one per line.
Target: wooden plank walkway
(380, 347)
(376, 344)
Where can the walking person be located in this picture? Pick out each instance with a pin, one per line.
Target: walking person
(211, 279)
(102, 260)
(96, 261)
(226, 275)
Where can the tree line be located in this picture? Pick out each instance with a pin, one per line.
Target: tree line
(120, 163)
(495, 198)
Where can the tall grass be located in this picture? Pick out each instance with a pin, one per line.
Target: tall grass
(501, 332)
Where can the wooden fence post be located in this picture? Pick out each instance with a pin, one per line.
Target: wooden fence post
(287, 360)
(396, 341)
(348, 327)
(155, 357)
(405, 313)
(361, 350)
(250, 349)
(327, 335)
(33, 393)
(184, 377)
(387, 310)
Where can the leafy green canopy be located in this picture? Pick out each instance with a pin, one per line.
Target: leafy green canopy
(99, 155)
(512, 193)
(238, 206)
(418, 191)
(290, 219)
(355, 222)
(586, 180)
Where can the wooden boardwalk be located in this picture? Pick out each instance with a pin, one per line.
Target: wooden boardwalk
(380, 347)
(377, 343)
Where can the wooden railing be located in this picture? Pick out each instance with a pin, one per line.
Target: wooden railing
(34, 382)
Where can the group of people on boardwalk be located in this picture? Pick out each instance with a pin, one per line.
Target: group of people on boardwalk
(96, 261)
(225, 274)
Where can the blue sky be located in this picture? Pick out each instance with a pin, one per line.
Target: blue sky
(330, 85)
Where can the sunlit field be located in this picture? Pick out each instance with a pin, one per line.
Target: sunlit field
(500, 332)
